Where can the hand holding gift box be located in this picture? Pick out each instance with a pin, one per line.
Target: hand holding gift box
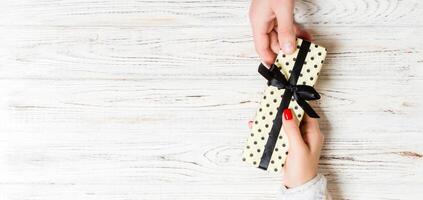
(290, 85)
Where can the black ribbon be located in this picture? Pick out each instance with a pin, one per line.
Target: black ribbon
(300, 93)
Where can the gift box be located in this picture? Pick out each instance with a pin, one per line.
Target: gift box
(290, 83)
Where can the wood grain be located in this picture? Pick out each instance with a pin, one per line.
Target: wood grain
(150, 99)
(203, 13)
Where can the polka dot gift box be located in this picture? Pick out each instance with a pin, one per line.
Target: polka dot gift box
(290, 83)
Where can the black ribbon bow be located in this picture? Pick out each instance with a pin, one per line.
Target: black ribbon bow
(301, 93)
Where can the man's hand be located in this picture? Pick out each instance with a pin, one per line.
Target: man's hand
(274, 28)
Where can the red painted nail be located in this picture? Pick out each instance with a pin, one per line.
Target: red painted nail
(250, 124)
(287, 114)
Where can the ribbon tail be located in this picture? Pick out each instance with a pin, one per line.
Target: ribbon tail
(307, 108)
(266, 73)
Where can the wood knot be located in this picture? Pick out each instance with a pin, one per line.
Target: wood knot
(410, 154)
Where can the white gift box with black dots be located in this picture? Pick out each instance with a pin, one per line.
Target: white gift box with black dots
(258, 139)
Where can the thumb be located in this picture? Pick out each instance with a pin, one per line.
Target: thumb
(292, 130)
(286, 30)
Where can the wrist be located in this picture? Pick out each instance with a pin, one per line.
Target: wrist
(298, 181)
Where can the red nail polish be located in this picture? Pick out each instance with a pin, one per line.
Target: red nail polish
(287, 114)
(250, 124)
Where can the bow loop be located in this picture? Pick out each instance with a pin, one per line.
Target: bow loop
(307, 92)
(276, 74)
(301, 93)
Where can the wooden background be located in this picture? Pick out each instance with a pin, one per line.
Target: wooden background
(141, 99)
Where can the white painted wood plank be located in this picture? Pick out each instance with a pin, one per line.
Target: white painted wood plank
(135, 53)
(203, 13)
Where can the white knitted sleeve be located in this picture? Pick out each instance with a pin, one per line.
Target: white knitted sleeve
(315, 189)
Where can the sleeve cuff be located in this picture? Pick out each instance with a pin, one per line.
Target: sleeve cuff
(315, 189)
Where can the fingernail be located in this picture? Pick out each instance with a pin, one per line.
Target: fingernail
(265, 64)
(288, 48)
(287, 114)
(250, 124)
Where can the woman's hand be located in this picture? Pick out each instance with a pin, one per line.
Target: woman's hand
(305, 144)
(274, 28)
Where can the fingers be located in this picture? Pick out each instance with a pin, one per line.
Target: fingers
(310, 124)
(274, 44)
(262, 25)
(312, 134)
(262, 44)
(285, 18)
(299, 33)
(292, 130)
